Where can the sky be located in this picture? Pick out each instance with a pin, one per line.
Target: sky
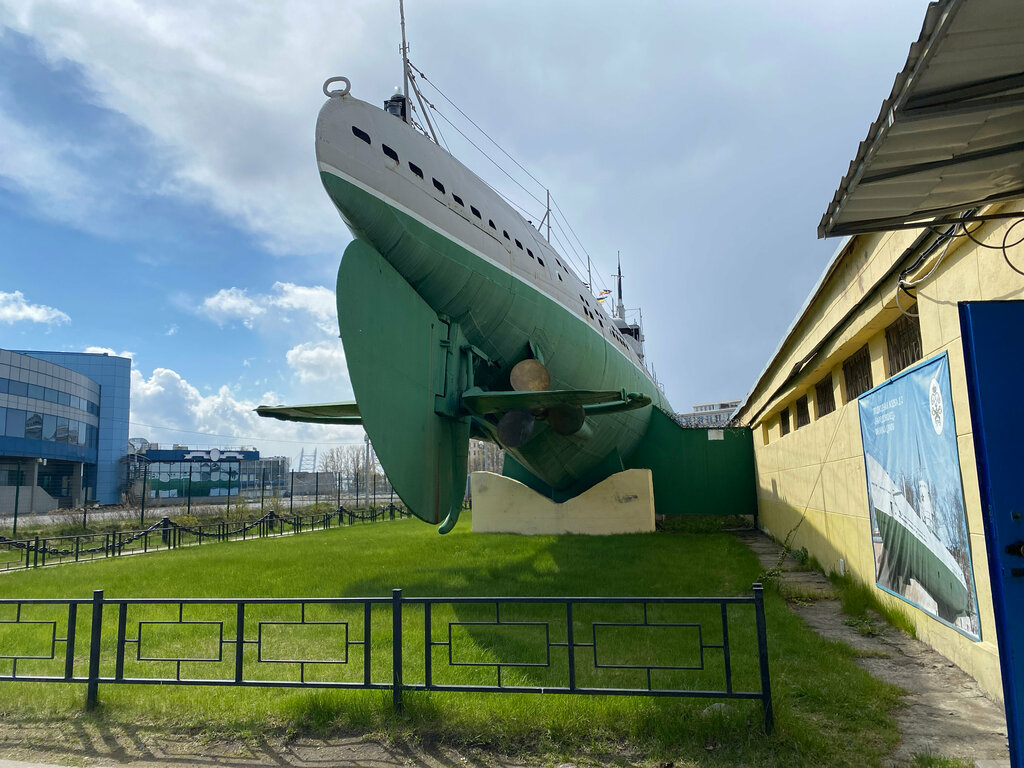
(159, 196)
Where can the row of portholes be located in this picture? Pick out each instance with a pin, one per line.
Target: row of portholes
(439, 186)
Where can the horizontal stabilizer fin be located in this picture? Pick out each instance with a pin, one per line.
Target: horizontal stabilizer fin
(345, 414)
(595, 402)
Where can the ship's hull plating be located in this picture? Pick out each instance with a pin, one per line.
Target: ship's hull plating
(503, 300)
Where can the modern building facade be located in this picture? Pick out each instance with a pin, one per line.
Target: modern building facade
(63, 428)
(172, 475)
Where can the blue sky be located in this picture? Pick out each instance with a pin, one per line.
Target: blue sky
(159, 196)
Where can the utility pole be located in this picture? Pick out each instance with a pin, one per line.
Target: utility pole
(17, 496)
(366, 439)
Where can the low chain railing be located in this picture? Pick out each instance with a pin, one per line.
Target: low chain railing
(168, 534)
(627, 646)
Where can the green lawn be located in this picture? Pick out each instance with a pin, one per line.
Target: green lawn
(828, 711)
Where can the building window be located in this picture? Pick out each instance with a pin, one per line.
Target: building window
(857, 373)
(903, 338)
(824, 396)
(803, 414)
(784, 421)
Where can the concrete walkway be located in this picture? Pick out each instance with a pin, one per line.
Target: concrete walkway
(946, 712)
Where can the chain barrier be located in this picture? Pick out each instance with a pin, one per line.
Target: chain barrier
(115, 541)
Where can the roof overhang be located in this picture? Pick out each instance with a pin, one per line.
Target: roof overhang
(951, 134)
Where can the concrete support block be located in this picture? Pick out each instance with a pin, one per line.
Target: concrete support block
(622, 503)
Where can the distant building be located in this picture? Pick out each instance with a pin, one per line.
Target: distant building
(180, 471)
(485, 457)
(63, 428)
(712, 415)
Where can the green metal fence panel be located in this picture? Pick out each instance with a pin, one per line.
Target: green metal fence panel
(699, 471)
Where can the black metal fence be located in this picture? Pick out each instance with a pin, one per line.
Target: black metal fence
(168, 534)
(633, 646)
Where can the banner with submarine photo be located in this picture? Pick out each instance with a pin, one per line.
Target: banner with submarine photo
(916, 497)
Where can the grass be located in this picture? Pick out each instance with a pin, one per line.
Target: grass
(828, 711)
(857, 598)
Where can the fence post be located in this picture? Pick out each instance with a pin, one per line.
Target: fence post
(762, 657)
(396, 649)
(291, 496)
(165, 530)
(92, 690)
(239, 640)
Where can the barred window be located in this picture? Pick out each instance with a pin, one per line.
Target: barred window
(903, 338)
(824, 396)
(857, 372)
(803, 414)
(784, 420)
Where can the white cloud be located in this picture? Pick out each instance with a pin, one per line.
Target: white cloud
(109, 351)
(167, 408)
(228, 90)
(318, 361)
(316, 301)
(233, 304)
(43, 169)
(14, 308)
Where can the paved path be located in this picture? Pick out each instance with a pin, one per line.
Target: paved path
(946, 712)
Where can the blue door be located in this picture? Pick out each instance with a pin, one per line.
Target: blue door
(993, 338)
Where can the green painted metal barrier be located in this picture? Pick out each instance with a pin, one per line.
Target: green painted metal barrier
(695, 472)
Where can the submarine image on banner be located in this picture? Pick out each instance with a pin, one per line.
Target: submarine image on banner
(910, 550)
(459, 320)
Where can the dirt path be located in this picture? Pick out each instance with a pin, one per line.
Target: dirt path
(946, 712)
(33, 745)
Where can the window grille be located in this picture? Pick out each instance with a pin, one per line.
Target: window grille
(803, 414)
(824, 396)
(784, 420)
(903, 338)
(857, 372)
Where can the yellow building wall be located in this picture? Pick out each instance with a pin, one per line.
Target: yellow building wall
(812, 488)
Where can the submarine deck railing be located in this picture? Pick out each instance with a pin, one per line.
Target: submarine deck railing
(165, 533)
(462, 644)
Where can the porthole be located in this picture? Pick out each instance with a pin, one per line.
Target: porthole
(457, 199)
(416, 169)
(438, 186)
(519, 245)
(530, 252)
(490, 223)
(389, 152)
(540, 261)
(475, 211)
(505, 234)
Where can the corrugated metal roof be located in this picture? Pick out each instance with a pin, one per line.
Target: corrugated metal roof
(951, 134)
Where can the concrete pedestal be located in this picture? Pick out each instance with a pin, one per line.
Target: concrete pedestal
(622, 503)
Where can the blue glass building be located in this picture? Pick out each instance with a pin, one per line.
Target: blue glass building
(63, 428)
